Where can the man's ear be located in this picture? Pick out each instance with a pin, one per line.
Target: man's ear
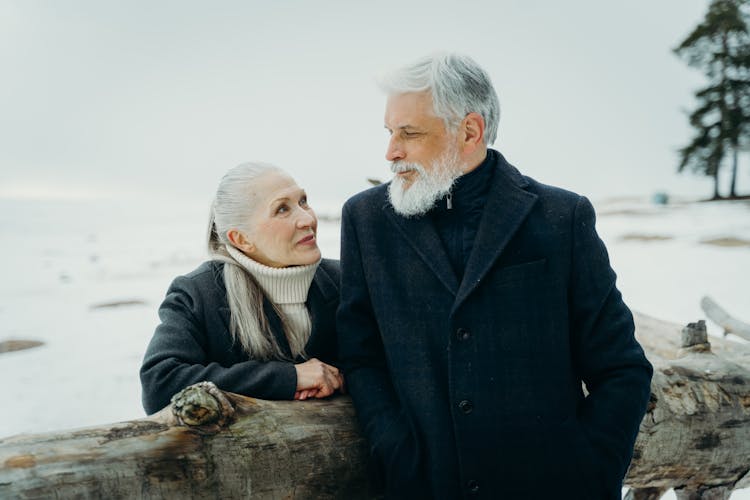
(238, 239)
(472, 127)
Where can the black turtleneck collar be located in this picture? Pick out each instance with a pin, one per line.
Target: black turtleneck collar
(457, 226)
(469, 190)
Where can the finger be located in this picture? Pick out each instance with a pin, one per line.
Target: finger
(333, 369)
(339, 381)
(332, 379)
(333, 382)
(325, 390)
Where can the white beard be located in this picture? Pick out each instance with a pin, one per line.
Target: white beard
(426, 188)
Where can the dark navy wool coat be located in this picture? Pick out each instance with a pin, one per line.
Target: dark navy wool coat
(473, 388)
(193, 342)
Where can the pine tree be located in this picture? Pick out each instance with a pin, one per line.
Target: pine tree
(720, 46)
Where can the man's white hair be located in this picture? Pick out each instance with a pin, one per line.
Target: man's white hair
(458, 85)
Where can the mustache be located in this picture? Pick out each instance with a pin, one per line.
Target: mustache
(398, 167)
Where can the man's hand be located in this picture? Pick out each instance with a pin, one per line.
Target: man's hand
(316, 379)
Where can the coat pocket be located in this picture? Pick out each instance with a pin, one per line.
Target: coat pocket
(526, 272)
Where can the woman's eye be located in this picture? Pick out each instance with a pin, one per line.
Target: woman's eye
(303, 201)
(282, 209)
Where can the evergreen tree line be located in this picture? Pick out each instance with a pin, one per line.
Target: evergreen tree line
(720, 47)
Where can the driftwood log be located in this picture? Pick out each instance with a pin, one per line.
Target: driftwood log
(206, 444)
(721, 317)
(695, 438)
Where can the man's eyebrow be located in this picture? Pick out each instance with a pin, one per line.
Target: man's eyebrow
(402, 127)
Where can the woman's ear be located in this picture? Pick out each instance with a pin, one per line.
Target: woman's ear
(238, 239)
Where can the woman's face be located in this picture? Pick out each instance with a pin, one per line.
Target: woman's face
(283, 226)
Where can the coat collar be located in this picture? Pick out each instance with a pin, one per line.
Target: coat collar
(324, 288)
(322, 295)
(508, 204)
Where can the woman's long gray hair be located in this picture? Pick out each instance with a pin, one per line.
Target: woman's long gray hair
(236, 199)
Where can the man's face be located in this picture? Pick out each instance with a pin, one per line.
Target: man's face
(424, 156)
(417, 135)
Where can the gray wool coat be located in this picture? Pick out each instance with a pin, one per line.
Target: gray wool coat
(193, 342)
(472, 388)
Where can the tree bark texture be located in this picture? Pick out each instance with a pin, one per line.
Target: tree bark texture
(274, 450)
(208, 444)
(695, 436)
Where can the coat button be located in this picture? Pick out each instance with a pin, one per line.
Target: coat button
(463, 334)
(472, 486)
(466, 406)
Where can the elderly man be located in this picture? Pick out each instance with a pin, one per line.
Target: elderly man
(474, 302)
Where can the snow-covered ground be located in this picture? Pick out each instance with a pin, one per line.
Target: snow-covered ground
(63, 259)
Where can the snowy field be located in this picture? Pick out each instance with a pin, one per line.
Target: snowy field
(67, 263)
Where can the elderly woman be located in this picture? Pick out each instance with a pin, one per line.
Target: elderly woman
(259, 318)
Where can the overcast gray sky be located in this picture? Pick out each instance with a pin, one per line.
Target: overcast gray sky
(159, 98)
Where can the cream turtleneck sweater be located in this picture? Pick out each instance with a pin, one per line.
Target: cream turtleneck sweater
(287, 288)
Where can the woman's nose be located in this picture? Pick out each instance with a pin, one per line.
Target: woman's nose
(306, 219)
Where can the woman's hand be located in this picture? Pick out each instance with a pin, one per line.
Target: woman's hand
(316, 379)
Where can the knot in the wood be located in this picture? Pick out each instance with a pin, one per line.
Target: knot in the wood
(694, 335)
(202, 404)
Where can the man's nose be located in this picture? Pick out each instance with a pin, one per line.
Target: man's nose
(394, 151)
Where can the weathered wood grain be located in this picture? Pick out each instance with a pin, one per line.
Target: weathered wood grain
(272, 450)
(208, 444)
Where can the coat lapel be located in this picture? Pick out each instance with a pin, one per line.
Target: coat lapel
(424, 239)
(221, 292)
(323, 290)
(323, 295)
(507, 206)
